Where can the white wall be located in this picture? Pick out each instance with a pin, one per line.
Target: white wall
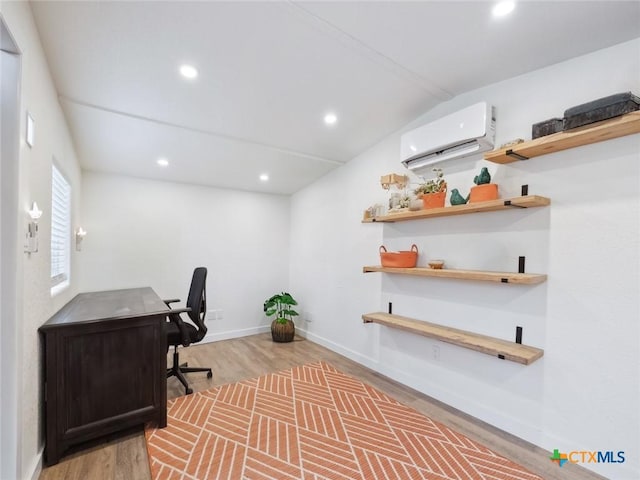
(9, 179)
(35, 304)
(151, 233)
(584, 393)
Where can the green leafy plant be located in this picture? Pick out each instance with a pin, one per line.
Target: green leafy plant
(433, 185)
(280, 305)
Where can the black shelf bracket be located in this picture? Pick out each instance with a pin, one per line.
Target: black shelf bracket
(520, 264)
(507, 203)
(501, 357)
(519, 335)
(515, 155)
(390, 308)
(524, 191)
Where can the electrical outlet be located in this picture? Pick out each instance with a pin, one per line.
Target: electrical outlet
(214, 315)
(308, 316)
(435, 352)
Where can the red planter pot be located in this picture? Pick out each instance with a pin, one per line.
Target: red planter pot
(434, 200)
(483, 193)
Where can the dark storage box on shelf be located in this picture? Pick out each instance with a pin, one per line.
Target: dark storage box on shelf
(542, 129)
(601, 109)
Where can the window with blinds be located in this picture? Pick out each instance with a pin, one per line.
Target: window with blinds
(60, 229)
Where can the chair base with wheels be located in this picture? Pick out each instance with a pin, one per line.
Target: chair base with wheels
(177, 370)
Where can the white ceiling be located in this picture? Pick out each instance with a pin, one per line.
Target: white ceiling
(269, 71)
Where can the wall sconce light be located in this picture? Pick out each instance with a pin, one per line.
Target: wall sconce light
(80, 234)
(31, 245)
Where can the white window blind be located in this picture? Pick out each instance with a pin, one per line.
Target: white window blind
(60, 228)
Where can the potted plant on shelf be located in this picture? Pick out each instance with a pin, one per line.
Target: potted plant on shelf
(282, 327)
(484, 189)
(434, 191)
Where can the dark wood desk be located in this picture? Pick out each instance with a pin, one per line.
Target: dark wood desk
(105, 360)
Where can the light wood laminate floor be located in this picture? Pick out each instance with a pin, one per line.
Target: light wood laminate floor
(125, 457)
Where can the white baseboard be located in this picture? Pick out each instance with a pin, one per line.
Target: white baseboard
(36, 467)
(336, 347)
(244, 332)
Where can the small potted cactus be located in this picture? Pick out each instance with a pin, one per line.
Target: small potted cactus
(484, 189)
(433, 191)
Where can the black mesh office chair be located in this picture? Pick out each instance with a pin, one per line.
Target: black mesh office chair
(181, 333)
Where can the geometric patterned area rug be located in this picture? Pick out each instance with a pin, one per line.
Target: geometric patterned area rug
(312, 422)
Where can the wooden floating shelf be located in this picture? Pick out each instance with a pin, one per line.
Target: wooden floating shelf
(528, 201)
(500, 277)
(496, 347)
(627, 124)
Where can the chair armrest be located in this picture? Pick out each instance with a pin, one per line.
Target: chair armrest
(179, 310)
(174, 316)
(172, 300)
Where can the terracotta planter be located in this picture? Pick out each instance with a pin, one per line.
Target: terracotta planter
(483, 193)
(282, 332)
(434, 200)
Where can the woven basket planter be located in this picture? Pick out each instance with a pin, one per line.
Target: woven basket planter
(283, 332)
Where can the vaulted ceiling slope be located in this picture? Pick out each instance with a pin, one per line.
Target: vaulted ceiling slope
(270, 71)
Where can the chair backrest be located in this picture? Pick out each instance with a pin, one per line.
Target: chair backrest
(197, 300)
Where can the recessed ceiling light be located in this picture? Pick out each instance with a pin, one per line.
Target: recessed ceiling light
(503, 8)
(264, 177)
(163, 162)
(330, 118)
(188, 71)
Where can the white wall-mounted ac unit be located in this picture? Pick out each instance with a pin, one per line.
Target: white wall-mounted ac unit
(461, 134)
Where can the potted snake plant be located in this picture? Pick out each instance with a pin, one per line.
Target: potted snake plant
(282, 327)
